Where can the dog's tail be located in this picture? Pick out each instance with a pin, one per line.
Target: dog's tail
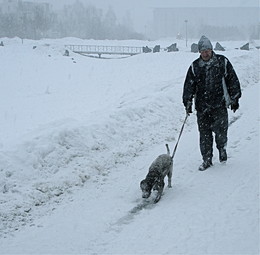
(168, 150)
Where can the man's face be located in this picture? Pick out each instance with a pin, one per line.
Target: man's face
(206, 55)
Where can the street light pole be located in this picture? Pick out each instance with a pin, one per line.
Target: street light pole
(186, 24)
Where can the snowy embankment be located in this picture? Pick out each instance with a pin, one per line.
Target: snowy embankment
(78, 134)
(83, 118)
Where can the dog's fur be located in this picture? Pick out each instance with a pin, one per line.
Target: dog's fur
(160, 167)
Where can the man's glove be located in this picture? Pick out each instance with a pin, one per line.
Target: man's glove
(234, 105)
(188, 107)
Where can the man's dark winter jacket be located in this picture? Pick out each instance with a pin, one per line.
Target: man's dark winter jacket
(205, 81)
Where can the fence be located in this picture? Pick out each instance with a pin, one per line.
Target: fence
(99, 49)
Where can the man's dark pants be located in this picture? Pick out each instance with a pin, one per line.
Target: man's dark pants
(209, 122)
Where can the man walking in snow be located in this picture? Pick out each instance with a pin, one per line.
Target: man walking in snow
(213, 83)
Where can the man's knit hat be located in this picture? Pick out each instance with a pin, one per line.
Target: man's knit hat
(204, 44)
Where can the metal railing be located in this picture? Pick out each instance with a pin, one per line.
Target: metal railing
(100, 49)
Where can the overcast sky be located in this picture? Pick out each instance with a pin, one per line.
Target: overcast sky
(135, 4)
(141, 10)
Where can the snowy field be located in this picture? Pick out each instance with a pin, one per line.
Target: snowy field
(77, 135)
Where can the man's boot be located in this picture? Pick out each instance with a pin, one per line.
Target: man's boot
(206, 164)
(222, 155)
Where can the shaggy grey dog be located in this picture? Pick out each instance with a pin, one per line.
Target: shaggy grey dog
(154, 180)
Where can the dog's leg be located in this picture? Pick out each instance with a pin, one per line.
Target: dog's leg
(160, 191)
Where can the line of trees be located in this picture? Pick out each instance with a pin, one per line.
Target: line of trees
(76, 20)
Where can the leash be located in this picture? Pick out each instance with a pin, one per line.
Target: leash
(175, 148)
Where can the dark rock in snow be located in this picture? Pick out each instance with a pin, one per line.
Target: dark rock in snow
(146, 49)
(66, 53)
(172, 48)
(194, 48)
(156, 48)
(245, 47)
(219, 47)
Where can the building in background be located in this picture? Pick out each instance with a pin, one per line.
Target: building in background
(219, 23)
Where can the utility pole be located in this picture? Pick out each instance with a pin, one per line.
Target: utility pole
(186, 26)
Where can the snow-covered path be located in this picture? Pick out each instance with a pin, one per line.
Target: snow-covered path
(210, 212)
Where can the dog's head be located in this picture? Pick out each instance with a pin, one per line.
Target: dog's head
(146, 189)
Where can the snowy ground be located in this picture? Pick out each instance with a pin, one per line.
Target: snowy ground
(78, 135)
